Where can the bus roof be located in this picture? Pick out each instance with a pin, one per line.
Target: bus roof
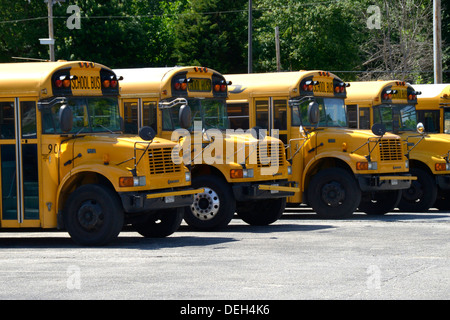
(150, 81)
(433, 90)
(268, 83)
(433, 95)
(361, 90)
(28, 78)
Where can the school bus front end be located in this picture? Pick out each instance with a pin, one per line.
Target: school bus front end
(394, 104)
(433, 107)
(91, 179)
(239, 172)
(337, 169)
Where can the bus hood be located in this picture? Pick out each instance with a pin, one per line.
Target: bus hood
(434, 144)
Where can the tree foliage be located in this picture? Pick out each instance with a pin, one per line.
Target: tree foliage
(210, 33)
(331, 35)
(313, 35)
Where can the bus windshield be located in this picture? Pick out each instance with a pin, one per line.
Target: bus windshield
(446, 120)
(89, 115)
(210, 112)
(332, 113)
(396, 117)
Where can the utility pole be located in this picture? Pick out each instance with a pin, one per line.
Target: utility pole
(250, 60)
(50, 29)
(437, 41)
(277, 48)
(50, 41)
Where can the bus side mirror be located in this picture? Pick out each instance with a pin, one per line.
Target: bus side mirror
(65, 118)
(258, 133)
(313, 112)
(184, 116)
(420, 128)
(147, 133)
(378, 129)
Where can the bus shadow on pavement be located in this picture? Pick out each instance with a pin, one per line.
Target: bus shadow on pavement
(276, 227)
(132, 240)
(125, 240)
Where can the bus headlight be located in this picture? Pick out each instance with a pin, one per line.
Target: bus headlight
(187, 175)
(248, 173)
(289, 170)
(137, 181)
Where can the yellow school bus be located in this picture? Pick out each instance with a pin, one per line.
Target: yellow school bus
(433, 107)
(338, 169)
(238, 171)
(393, 103)
(64, 162)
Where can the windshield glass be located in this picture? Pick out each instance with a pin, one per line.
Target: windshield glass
(446, 120)
(210, 112)
(396, 117)
(89, 115)
(332, 113)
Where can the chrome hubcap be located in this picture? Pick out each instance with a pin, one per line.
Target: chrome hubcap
(206, 205)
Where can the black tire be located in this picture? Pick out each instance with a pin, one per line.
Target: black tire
(380, 203)
(212, 209)
(333, 193)
(442, 200)
(262, 212)
(93, 215)
(162, 224)
(421, 195)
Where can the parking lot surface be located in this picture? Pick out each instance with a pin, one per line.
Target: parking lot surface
(396, 256)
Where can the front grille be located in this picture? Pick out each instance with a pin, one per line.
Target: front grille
(160, 161)
(265, 156)
(390, 150)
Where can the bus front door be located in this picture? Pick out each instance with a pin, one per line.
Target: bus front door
(19, 164)
(271, 113)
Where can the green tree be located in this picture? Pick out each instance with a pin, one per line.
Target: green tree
(210, 33)
(446, 40)
(110, 33)
(22, 23)
(313, 35)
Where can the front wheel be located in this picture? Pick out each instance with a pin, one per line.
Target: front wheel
(262, 212)
(162, 224)
(380, 203)
(212, 209)
(333, 193)
(93, 215)
(421, 195)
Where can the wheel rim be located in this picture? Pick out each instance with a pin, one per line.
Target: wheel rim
(90, 215)
(206, 205)
(333, 194)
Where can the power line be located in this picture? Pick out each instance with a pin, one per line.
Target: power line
(166, 14)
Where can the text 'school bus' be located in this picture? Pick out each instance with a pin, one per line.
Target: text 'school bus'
(393, 103)
(433, 107)
(65, 163)
(338, 169)
(239, 172)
